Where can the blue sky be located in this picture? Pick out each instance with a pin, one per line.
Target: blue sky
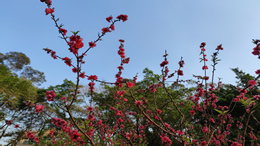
(152, 27)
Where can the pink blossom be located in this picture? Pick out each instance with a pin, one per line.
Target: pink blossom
(39, 108)
(138, 102)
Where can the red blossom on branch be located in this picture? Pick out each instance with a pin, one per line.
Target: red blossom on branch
(180, 72)
(82, 75)
(92, 77)
(105, 30)
(130, 84)
(109, 18)
(92, 44)
(63, 31)
(30, 135)
(112, 26)
(122, 17)
(138, 102)
(205, 67)
(49, 11)
(39, 108)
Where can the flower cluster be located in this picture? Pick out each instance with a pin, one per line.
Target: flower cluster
(74, 135)
(122, 17)
(75, 43)
(30, 135)
(53, 53)
(8, 122)
(39, 108)
(50, 95)
(67, 61)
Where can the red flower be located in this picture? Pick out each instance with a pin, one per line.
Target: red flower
(159, 111)
(105, 30)
(8, 122)
(251, 83)
(122, 17)
(82, 75)
(166, 140)
(92, 44)
(219, 47)
(51, 132)
(121, 40)
(122, 126)
(53, 55)
(100, 122)
(256, 51)
(141, 127)
(203, 143)
(50, 95)
(64, 31)
(79, 43)
(49, 11)
(16, 126)
(118, 113)
(92, 77)
(205, 67)
(109, 18)
(91, 117)
(212, 120)
(164, 63)
(180, 72)
(180, 132)
(30, 135)
(120, 67)
(138, 102)
(112, 27)
(128, 136)
(257, 72)
(181, 63)
(75, 70)
(192, 112)
(121, 93)
(36, 139)
(63, 98)
(167, 125)
(67, 61)
(91, 86)
(205, 129)
(202, 45)
(90, 108)
(120, 120)
(152, 88)
(39, 108)
(130, 85)
(236, 144)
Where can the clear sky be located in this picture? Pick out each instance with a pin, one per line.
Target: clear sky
(153, 26)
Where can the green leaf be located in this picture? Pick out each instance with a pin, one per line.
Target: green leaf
(75, 33)
(221, 112)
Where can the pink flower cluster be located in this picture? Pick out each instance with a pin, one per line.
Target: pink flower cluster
(50, 95)
(39, 108)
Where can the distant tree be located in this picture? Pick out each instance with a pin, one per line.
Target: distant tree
(18, 62)
(16, 87)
